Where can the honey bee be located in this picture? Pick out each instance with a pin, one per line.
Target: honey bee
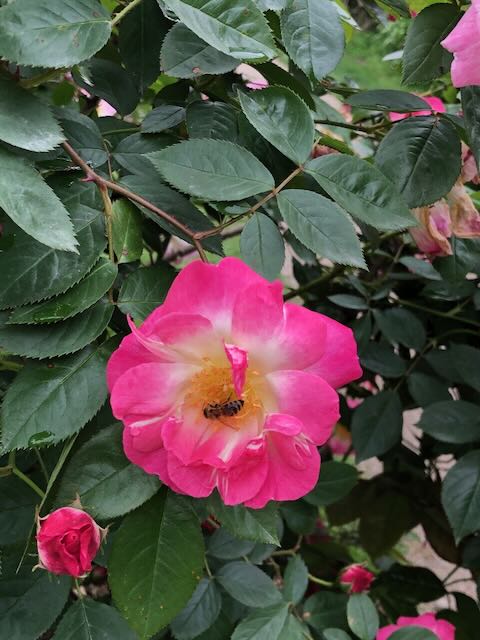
(216, 410)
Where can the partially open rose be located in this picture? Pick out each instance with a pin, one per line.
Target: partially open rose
(67, 540)
(441, 628)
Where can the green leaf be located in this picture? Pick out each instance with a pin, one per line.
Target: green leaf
(83, 135)
(412, 584)
(17, 510)
(453, 421)
(400, 326)
(380, 358)
(215, 120)
(52, 33)
(126, 231)
(413, 633)
(248, 584)
(59, 339)
(259, 525)
(242, 34)
(42, 594)
(377, 425)
(295, 580)
(262, 624)
(150, 187)
(421, 156)
(222, 545)
(388, 100)
(335, 634)
(213, 170)
(424, 58)
(31, 203)
(185, 55)
(276, 75)
(321, 226)
(156, 562)
(108, 80)
(140, 37)
(362, 616)
(262, 246)
(313, 36)
(131, 153)
(108, 484)
(282, 118)
(166, 116)
(426, 389)
(348, 301)
(201, 611)
(471, 117)
(144, 290)
(465, 364)
(326, 609)
(300, 516)
(58, 397)
(362, 190)
(336, 480)
(423, 268)
(31, 271)
(25, 121)
(80, 297)
(293, 629)
(87, 619)
(384, 521)
(221, 629)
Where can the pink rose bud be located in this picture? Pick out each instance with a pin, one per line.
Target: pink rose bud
(441, 628)
(67, 540)
(357, 577)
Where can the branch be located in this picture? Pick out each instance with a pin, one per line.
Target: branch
(116, 19)
(103, 184)
(213, 232)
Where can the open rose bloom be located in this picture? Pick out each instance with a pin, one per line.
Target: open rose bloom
(225, 386)
(464, 42)
(67, 540)
(441, 628)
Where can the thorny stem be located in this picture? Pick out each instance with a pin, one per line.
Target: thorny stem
(108, 210)
(316, 580)
(16, 471)
(102, 183)
(213, 232)
(289, 552)
(10, 365)
(121, 14)
(354, 127)
(207, 568)
(41, 78)
(325, 277)
(434, 312)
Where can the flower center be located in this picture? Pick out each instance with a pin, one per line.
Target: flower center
(211, 392)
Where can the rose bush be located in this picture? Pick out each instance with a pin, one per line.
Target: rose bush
(233, 244)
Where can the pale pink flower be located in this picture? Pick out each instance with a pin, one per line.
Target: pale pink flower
(67, 540)
(469, 166)
(224, 335)
(357, 577)
(105, 109)
(341, 439)
(436, 104)
(435, 228)
(464, 42)
(441, 628)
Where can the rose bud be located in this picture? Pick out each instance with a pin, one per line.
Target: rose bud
(357, 577)
(67, 540)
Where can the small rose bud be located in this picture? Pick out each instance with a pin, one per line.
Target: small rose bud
(67, 540)
(357, 577)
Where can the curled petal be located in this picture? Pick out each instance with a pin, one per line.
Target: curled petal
(238, 359)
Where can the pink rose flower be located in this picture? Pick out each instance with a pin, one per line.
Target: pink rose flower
(464, 42)
(225, 386)
(441, 628)
(436, 104)
(357, 577)
(435, 228)
(67, 540)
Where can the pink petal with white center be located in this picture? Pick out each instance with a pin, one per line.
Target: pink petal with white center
(179, 337)
(150, 390)
(210, 290)
(245, 479)
(464, 43)
(144, 447)
(129, 354)
(293, 467)
(195, 439)
(309, 399)
(197, 480)
(339, 363)
(257, 315)
(238, 359)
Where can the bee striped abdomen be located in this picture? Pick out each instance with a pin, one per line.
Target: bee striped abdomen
(215, 410)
